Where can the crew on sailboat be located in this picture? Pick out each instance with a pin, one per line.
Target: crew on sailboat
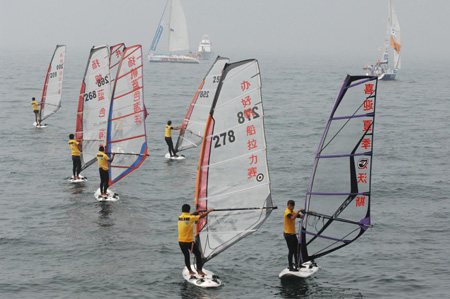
(35, 106)
(168, 138)
(186, 223)
(289, 233)
(75, 146)
(103, 159)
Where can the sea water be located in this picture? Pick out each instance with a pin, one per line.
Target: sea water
(57, 241)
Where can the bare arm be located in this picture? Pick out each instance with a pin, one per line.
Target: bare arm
(206, 213)
(293, 216)
(176, 128)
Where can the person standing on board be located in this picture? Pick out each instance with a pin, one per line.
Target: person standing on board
(36, 111)
(76, 156)
(186, 237)
(289, 233)
(168, 138)
(103, 159)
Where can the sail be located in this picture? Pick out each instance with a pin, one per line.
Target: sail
(116, 53)
(338, 198)
(51, 93)
(93, 104)
(233, 175)
(395, 37)
(193, 127)
(178, 33)
(126, 121)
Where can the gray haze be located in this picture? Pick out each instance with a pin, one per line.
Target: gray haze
(252, 28)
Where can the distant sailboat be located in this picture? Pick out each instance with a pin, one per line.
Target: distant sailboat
(387, 69)
(51, 93)
(178, 37)
(233, 176)
(338, 198)
(193, 127)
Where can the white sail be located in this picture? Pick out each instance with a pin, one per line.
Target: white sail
(233, 176)
(51, 93)
(178, 33)
(93, 104)
(126, 121)
(116, 53)
(395, 40)
(193, 127)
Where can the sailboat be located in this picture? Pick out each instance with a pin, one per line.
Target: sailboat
(338, 198)
(233, 176)
(126, 131)
(193, 127)
(386, 69)
(178, 36)
(51, 93)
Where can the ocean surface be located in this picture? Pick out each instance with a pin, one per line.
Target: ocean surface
(57, 241)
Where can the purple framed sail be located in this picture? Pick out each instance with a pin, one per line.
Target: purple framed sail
(337, 204)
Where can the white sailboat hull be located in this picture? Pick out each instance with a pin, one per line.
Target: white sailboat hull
(172, 58)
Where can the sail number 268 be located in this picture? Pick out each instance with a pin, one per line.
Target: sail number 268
(221, 139)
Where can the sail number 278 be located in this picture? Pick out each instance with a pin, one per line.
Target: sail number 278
(221, 139)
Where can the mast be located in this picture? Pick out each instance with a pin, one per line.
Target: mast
(337, 202)
(233, 175)
(51, 93)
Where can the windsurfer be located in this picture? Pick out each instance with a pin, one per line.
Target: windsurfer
(103, 159)
(37, 115)
(168, 138)
(75, 146)
(289, 233)
(185, 237)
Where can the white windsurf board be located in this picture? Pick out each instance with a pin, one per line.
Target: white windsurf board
(112, 196)
(210, 280)
(79, 180)
(306, 270)
(180, 157)
(39, 127)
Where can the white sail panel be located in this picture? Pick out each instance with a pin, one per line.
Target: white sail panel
(116, 53)
(233, 173)
(93, 104)
(51, 93)
(193, 127)
(126, 129)
(395, 41)
(178, 33)
(337, 202)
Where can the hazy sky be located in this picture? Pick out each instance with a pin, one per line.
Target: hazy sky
(253, 27)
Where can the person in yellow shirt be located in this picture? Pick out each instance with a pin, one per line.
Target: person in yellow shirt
(103, 159)
(289, 233)
(168, 138)
(186, 223)
(37, 112)
(75, 146)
